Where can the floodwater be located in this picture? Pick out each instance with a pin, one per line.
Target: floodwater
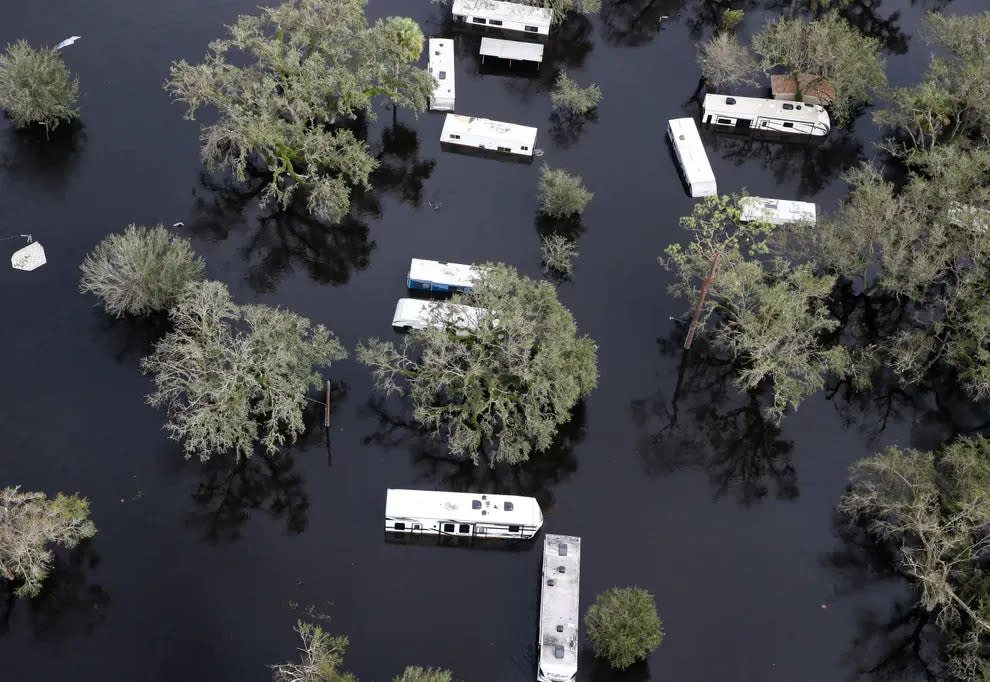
(672, 478)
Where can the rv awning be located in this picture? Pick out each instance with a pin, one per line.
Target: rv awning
(511, 49)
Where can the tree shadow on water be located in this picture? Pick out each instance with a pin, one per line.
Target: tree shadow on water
(45, 162)
(131, 338)
(69, 605)
(596, 669)
(708, 423)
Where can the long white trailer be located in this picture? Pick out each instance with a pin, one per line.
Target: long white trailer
(415, 313)
(441, 67)
(472, 515)
(513, 16)
(777, 211)
(559, 599)
(765, 115)
(690, 152)
(484, 133)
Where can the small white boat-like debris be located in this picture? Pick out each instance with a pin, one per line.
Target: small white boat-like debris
(690, 152)
(31, 257)
(765, 115)
(468, 515)
(441, 67)
(777, 211)
(68, 41)
(484, 133)
(559, 599)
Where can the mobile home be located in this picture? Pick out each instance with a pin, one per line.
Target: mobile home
(414, 313)
(435, 275)
(470, 515)
(442, 69)
(683, 134)
(483, 133)
(777, 211)
(559, 597)
(512, 16)
(765, 115)
(511, 50)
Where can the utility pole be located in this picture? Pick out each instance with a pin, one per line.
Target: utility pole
(701, 301)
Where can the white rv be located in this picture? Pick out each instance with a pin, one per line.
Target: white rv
(440, 276)
(683, 134)
(559, 597)
(513, 16)
(442, 69)
(414, 313)
(777, 211)
(512, 50)
(483, 133)
(470, 515)
(765, 115)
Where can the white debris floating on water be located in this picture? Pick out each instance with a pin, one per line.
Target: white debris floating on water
(68, 41)
(31, 257)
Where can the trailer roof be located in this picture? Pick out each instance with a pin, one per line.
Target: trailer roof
(467, 507)
(512, 11)
(777, 211)
(795, 111)
(441, 67)
(559, 603)
(511, 49)
(694, 160)
(412, 310)
(456, 274)
(488, 129)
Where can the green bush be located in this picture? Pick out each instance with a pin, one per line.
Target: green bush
(36, 87)
(623, 626)
(562, 194)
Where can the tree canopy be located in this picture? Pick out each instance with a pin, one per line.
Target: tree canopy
(414, 673)
(726, 61)
(139, 271)
(501, 391)
(321, 656)
(283, 83)
(232, 376)
(623, 626)
(829, 49)
(29, 524)
(570, 97)
(36, 87)
(562, 194)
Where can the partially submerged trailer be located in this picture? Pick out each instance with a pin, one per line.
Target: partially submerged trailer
(777, 211)
(559, 599)
(435, 275)
(698, 175)
(415, 313)
(484, 133)
(471, 515)
(512, 50)
(765, 115)
(442, 69)
(511, 16)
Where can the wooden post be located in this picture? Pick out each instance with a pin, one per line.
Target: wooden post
(327, 405)
(701, 301)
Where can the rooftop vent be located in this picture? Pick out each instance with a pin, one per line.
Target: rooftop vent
(730, 100)
(475, 504)
(561, 569)
(507, 506)
(560, 628)
(551, 582)
(562, 549)
(558, 651)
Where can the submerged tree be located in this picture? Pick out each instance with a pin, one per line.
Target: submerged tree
(232, 377)
(309, 66)
(36, 87)
(559, 253)
(725, 61)
(623, 626)
(140, 271)
(570, 97)
(503, 388)
(322, 654)
(29, 524)
(828, 50)
(562, 194)
(934, 510)
(414, 673)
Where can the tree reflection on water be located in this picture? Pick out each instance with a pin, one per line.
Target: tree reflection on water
(708, 423)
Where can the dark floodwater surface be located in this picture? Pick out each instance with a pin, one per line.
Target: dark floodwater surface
(670, 476)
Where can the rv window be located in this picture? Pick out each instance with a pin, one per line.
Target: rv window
(764, 124)
(788, 124)
(525, 149)
(478, 20)
(504, 149)
(730, 100)
(448, 528)
(495, 22)
(513, 529)
(724, 120)
(464, 528)
(399, 525)
(532, 29)
(454, 136)
(443, 74)
(788, 106)
(416, 526)
(508, 506)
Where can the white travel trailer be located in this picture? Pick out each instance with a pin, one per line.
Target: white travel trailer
(777, 211)
(469, 515)
(683, 134)
(512, 50)
(442, 69)
(512, 16)
(414, 313)
(765, 115)
(439, 276)
(559, 597)
(483, 133)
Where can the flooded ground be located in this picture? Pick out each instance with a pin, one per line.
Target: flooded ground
(672, 479)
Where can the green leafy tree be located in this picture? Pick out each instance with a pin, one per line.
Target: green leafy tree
(231, 377)
(559, 253)
(414, 673)
(501, 391)
(829, 49)
(623, 626)
(561, 8)
(36, 87)
(934, 510)
(562, 194)
(139, 271)
(29, 524)
(571, 98)
(307, 65)
(731, 18)
(725, 61)
(322, 654)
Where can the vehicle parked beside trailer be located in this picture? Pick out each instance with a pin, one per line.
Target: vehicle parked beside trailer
(471, 515)
(690, 152)
(757, 114)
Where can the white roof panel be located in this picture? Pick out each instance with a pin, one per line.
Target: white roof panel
(559, 605)
(691, 151)
(511, 49)
(451, 274)
(487, 129)
(506, 11)
(468, 507)
(441, 67)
